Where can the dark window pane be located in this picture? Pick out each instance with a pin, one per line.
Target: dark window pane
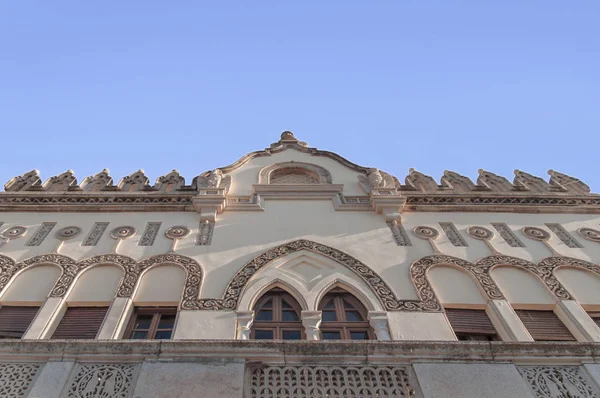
(264, 315)
(285, 304)
(289, 316)
(329, 304)
(140, 335)
(291, 335)
(163, 335)
(482, 337)
(329, 316)
(166, 322)
(359, 336)
(143, 322)
(263, 334)
(462, 336)
(347, 305)
(268, 304)
(353, 316)
(331, 336)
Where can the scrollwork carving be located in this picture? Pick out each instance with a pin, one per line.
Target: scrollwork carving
(558, 382)
(69, 268)
(264, 176)
(103, 381)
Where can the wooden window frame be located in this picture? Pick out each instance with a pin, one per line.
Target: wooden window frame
(157, 313)
(595, 315)
(344, 326)
(277, 325)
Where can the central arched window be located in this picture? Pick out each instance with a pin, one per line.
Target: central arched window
(277, 317)
(344, 317)
(294, 175)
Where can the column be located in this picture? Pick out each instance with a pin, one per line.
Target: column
(379, 323)
(47, 319)
(244, 323)
(311, 321)
(577, 320)
(116, 319)
(506, 321)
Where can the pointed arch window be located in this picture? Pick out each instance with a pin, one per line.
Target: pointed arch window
(277, 317)
(344, 317)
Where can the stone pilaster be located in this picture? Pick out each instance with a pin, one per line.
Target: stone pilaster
(311, 320)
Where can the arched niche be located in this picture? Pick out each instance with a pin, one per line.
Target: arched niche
(32, 285)
(521, 288)
(161, 285)
(455, 287)
(583, 285)
(294, 173)
(96, 285)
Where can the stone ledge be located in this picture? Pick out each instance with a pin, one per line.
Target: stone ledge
(298, 351)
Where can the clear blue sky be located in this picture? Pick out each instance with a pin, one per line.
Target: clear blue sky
(194, 85)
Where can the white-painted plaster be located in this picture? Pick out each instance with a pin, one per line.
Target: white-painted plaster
(31, 286)
(161, 285)
(97, 285)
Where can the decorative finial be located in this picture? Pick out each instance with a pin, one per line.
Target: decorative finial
(288, 136)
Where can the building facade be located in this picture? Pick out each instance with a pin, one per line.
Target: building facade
(294, 272)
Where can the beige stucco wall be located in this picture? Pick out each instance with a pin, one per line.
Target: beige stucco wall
(521, 287)
(31, 286)
(455, 287)
(162, 285)
(97, 285)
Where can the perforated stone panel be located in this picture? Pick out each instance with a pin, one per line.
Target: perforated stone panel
(294, 175)
(264, 381)
(17, 379)
(102, 381)
(558, 381)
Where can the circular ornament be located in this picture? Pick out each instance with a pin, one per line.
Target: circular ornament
(67, 233)
(426, 232)
(590, 234)
(14, 232)
(536, 233)
(481, 233)
(122, 232)
(177, 232)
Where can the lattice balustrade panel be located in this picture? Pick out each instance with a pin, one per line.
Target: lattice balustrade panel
(311, 381)
(102, 381)
(558, 382)
(16, 379)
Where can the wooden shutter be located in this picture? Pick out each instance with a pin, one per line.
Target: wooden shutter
(470, 321)
(544, 325)
(14, 321)
(80, 323)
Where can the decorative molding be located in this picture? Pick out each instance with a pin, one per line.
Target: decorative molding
(558, 381)
(98, 182)
(13, 232)
(590, 234)
(376, 179)
(453, 234)
(205, 232)
(535, 233)
(41, 234)
(507, 234)
(102, 380)
(480, 233)
(177, 232)
(399, 234)
(134, 182)
(124, 232)
(170, 182)
(69, 268)
(95, 234)
(380, 288)
(564, 236)
(327, 380)
(149, 234)
(17, 378)
(67, 233)
(425, 232)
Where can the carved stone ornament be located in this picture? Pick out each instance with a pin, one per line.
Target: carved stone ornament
(590, 234)
(177, 232)
(329, 381)
(212, 179)
(536, 233)
(558, 382)
(24, 182)
(16, 379)
(122, 232)
(68, 232)
(530, 182)
(134, 182)
(424, 232)
(103, 381)
(494, 182)
(420, 181)
(97, 182)
(14, 232)
(457, 182)
(61, 182)
(170, 182)
(481, 233)
(374, 179)
(568, 183)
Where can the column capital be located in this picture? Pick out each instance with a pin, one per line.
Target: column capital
(379, 323)
(244, 320)
(311, 320)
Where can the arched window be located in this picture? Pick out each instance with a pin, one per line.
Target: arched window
(344, 317)
(277, 316)
(294, 175)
